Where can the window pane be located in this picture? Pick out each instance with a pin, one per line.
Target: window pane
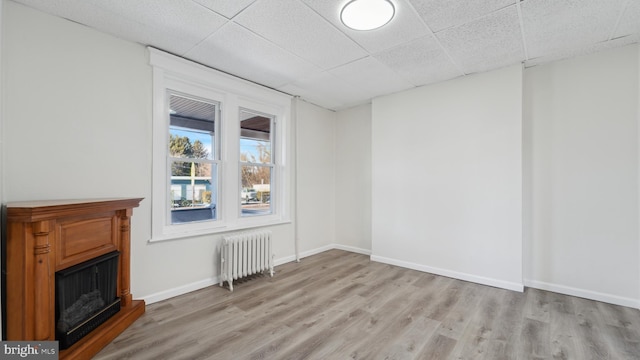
(192, 192)
(192, 128)
(256, 190)
(255, 137)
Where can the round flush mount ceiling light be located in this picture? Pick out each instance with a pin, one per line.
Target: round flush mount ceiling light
(367, 14)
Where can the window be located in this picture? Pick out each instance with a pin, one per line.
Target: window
(256, 162)
(219, 159)
(193, 159)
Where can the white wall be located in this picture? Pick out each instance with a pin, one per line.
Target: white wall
(315, 177)
(581, 128)
(353, 179)
(78, 125)
(447, 175)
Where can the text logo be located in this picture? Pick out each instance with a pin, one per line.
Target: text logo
(46, 350)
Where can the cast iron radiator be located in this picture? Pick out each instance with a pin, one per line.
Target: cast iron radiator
(245, 254)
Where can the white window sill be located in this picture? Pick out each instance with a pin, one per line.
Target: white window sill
(217, 230)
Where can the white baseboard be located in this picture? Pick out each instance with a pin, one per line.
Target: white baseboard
(180, 290)
(452, 274)
(284, 260)
(587, 294)
(315, 251)
(321, 249)
(352, 249)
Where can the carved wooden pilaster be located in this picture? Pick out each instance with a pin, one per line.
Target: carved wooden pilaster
(43, 282)
(125, 257)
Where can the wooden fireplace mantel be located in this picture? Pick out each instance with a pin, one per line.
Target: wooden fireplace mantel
(47, 236)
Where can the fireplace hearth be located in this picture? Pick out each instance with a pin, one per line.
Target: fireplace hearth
(49, 244)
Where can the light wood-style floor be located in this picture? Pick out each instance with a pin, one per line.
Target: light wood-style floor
(339, 305)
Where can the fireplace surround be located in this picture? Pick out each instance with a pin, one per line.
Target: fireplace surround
(45, 237)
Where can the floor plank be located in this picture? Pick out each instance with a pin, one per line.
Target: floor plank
(340, 305)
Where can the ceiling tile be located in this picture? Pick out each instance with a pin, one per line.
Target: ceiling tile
(441, 14)
(93, 14)
(420, 61)
(328, 91)
(296, 28)
(168, 17)
(405, 26)
(486, 43)
(327, 102)
(630, 20)
(589, 49)
(552, 26)
(372, 77)
(227, 8)
(68, 9)
(240, 52)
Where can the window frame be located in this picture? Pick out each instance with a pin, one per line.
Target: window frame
(185, 78)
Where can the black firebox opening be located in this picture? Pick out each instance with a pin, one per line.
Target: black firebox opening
(86, 296)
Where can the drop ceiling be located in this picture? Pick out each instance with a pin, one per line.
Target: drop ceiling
(300, 47)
